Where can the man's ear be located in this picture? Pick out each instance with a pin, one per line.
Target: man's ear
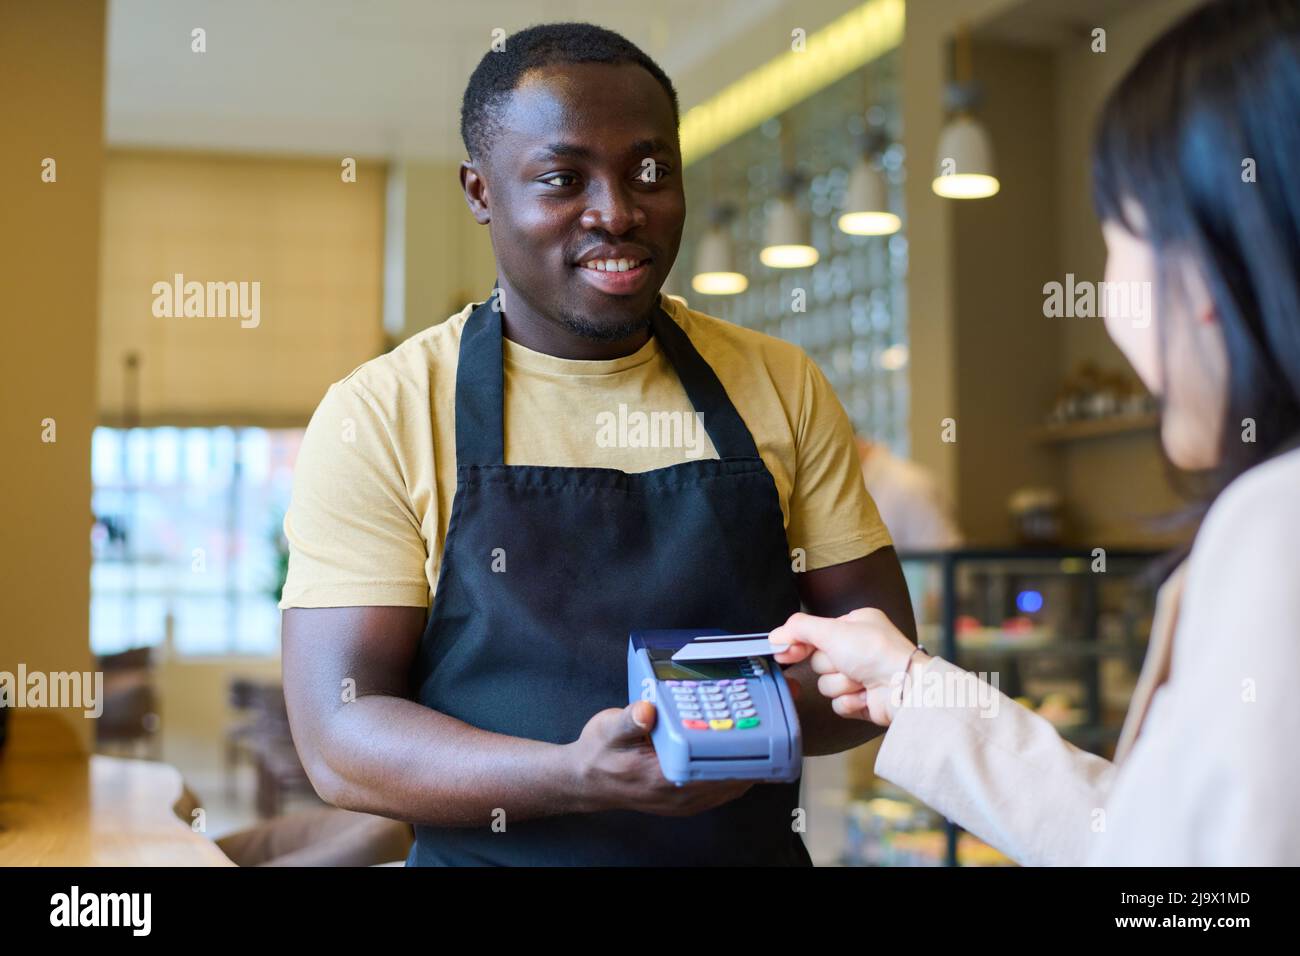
(476, 192)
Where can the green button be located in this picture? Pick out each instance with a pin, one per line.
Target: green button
(746, 722)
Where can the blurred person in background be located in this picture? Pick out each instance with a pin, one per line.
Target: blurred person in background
(908, 499)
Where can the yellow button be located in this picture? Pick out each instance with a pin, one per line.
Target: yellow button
(720, 724)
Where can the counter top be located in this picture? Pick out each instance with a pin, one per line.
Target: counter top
(61, 807)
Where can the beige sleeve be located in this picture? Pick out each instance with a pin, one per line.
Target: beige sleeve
(832, 517)
(1213, 778)
(353, 537)
(995, 768)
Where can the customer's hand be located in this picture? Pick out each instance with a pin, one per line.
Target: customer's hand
(860, 657)
(615, 767)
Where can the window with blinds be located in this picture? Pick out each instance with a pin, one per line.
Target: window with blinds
(235, 289)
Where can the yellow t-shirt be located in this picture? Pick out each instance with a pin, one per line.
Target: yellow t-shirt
(376, 472)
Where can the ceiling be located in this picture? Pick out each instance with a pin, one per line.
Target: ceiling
(1052, 23)
(348, 77)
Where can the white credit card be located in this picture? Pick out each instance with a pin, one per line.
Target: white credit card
(721, 647)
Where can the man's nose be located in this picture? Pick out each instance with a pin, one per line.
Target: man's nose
(614, 209)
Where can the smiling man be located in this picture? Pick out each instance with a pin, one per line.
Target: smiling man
(468, 555)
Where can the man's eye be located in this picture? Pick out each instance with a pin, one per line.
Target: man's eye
(651, 172)
(560, 180)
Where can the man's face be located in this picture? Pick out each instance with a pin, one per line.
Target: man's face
(584, 176)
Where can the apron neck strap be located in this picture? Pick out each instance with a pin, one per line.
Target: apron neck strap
(727, 430)
(480, 387)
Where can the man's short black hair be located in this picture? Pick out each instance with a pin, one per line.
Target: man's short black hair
(498, 73)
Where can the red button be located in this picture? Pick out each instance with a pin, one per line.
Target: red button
(695, 725)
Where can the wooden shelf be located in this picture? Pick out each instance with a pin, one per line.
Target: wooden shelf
(1095, 428)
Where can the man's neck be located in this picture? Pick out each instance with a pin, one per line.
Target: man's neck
(524, 326)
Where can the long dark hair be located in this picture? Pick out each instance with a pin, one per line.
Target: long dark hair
(1203, 134)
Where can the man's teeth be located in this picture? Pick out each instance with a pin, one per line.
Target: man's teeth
(612, 265)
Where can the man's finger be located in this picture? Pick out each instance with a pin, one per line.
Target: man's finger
(637, 720)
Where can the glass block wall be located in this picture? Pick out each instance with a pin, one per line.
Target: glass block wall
(855, 323)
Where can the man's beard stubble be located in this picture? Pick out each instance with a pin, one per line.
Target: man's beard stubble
(581, 325)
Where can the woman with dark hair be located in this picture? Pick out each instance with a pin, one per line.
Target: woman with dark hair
(1195, 184)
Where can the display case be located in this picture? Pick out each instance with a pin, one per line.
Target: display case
(1063, 632)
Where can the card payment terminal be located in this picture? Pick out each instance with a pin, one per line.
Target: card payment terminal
(722, 718)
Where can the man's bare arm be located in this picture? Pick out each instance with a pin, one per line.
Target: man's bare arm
(872, 581)
(383, 753)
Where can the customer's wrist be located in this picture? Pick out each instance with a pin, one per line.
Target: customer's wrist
(915, 659)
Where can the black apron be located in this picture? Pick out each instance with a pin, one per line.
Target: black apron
(589, 555)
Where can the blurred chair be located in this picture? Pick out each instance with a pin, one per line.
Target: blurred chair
(242, 699)
(316, 836)
(261, 734)
(130, 715)
(322, 836)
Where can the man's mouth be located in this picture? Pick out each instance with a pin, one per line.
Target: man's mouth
(616, 276)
